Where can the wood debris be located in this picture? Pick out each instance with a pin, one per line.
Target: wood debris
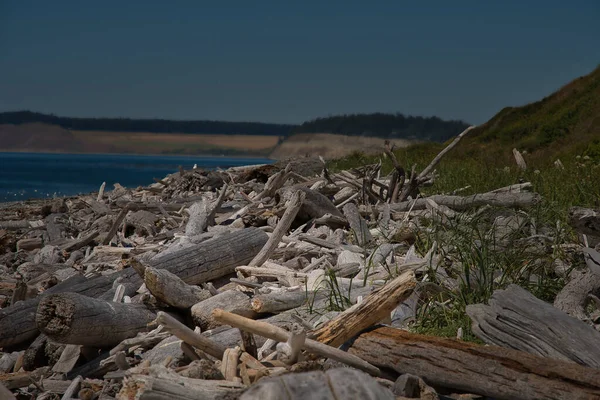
(265, 282)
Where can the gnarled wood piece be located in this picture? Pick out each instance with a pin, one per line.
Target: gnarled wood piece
(516, 319)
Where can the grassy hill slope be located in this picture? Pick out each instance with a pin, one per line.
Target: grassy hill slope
(567, 121)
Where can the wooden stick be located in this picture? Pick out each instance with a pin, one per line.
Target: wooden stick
(442, 153)
(292, 208)
(116, 224)
(189, 336)
(281, 335)
(373, 309)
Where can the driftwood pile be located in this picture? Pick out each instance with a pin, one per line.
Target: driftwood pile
(263, 283)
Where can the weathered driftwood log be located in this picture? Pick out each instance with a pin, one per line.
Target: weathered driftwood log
(162, 383)
(517, 319)
(281, 335)
(17, 322)
(172, 290)
(277, 302)
(372, 310)
(21, 224)
(75, 319)
(357, 224)
(231, 300)
(213, 258)
(487, 370)
(459, 203)
(339, 383)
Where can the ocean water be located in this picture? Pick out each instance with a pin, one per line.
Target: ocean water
(41, 175)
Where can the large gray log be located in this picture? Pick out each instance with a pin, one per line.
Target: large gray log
(17, 322)
(485, 370)
(459, 203)
(516, 319)
(213, 258)
(75, 319)
(339, 383)
(161, 383)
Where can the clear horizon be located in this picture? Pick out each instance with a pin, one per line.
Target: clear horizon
(289, 63)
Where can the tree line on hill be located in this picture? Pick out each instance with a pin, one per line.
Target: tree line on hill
(377, 125)
(386, 126)
(148, 125)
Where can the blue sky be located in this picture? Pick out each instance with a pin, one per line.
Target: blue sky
(278, 61)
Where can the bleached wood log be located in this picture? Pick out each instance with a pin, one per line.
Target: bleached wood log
(231, 300)
(289, 277)
(334, 384)
(17, 322)
(71, 318)
(516, 319)
(281, 335)
(459, 203)
(277, 302)
(284, 224)
(370, 311)
(213, 258)
(189, 336)
(172, 290)
(486, 370)
(162, 384)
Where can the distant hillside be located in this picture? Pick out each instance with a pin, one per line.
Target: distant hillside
(565, 121)
(395, 126)
(147, 125)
